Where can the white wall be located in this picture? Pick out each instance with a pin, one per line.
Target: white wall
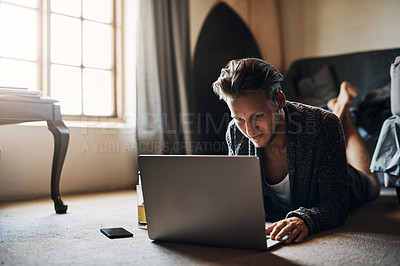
(98, 159)
(331, 27)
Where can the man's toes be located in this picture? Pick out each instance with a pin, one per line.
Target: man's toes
(349, 90)
(331, 103)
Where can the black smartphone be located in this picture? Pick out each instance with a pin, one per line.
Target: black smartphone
(117, 232)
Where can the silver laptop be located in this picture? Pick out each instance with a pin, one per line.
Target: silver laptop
(206, 200)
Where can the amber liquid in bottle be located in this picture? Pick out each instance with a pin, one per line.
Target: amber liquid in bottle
(142, 217)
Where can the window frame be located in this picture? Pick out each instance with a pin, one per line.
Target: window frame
(43, 61)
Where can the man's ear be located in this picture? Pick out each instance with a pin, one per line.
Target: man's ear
(280, 99)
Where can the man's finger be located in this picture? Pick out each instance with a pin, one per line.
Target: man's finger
(300, 237)
(269, 229)
(279, 226)
(285, 231)
(293, 234)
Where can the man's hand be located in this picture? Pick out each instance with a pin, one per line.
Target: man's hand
(294, 227)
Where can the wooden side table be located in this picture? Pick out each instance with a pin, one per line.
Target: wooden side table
(19, 109)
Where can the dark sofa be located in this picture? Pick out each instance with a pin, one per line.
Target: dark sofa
(315, 80)
(366, 70)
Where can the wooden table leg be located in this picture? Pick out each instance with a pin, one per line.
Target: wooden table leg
(61, 139)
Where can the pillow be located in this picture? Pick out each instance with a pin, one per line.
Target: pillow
(395, 86)
(318, 89)
(373, 109)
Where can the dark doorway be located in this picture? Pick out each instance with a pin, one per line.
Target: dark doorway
(224, 36)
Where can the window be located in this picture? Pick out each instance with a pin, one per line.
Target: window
(67, 48)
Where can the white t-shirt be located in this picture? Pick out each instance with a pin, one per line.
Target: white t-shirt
(282, 192)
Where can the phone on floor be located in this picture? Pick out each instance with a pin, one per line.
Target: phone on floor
(117, 232)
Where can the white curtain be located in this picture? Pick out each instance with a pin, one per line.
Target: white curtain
(163, 61)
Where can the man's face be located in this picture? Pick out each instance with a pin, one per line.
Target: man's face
(256, 117)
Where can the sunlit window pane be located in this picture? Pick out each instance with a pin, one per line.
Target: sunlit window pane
(65, 40)
(97, 45)
(14, 73)
(99, 10)
(28, 3)
(98, 95)
(78, 38)
(68, 7)
(65, 82)
(18, 32)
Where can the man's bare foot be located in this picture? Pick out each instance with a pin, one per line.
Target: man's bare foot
(347, 93)
(340, 105)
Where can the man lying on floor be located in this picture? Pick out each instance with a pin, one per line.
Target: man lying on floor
(308, 184)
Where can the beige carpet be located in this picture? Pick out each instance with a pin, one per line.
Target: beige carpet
(32, 234)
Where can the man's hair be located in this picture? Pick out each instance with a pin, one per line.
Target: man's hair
(245, 76)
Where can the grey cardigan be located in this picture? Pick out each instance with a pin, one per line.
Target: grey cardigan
(318, 170)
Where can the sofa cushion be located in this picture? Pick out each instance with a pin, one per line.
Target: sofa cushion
(319, 88)
(373, 109)
(395, 86)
